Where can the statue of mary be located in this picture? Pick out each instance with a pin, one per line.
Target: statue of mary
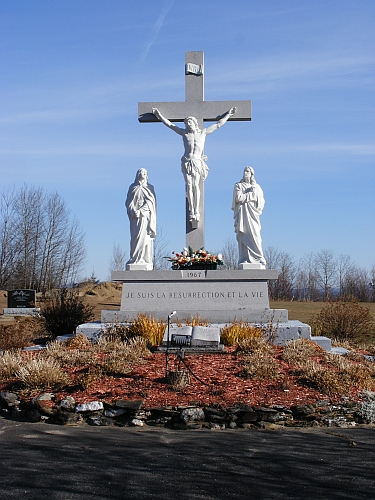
(141, 207)
(248, 203)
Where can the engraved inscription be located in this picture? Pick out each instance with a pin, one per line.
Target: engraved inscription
(193, 69)
(194, 274)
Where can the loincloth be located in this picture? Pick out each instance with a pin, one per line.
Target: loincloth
(191, 167)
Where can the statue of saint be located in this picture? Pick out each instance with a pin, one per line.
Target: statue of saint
(193, 164)
(141, 207)
(248, 203)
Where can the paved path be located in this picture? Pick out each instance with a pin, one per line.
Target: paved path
(40, 461)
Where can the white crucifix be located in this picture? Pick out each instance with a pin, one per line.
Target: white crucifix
(194, 111)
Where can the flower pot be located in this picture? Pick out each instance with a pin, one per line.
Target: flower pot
(197, 266)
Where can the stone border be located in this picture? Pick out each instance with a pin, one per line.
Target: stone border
(126, 413)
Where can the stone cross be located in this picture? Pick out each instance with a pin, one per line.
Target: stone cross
(203, 111)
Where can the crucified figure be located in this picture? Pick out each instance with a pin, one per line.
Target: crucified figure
(193, 164)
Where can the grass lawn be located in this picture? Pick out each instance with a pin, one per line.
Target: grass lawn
(304, 310)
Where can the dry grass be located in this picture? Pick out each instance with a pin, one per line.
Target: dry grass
(255, 345)
(66, 356)
(238, 331)
(299, 351)
(257, 367)
(335, 381)
(10, 363)
(42, 374)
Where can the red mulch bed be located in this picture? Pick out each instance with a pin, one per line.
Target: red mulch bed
(222, 385)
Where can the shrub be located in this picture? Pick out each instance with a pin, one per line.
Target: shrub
(10, 363)
(343, 320)
(237, 331)
(298, 351)
(42, 374)
(20, 334)
(65, 311)
(259, 367)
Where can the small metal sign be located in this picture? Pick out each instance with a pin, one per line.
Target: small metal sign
(193, 69)
(21, 299)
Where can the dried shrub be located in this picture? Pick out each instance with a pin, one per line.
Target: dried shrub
(149, 328)
(330, 381)
(255, 345)
(298, 351)
(43, 374)
(79, 341)
(89, 377)
(116, 363)
(20, 334)
(343, 320)
(116, 331)
(237, 331)
(64, 311)
(10, 363)
(65, 356)
(259, 367)
(120, 357)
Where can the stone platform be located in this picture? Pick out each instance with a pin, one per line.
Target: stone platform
(220, 296)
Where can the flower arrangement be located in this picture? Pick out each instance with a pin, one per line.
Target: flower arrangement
(190, 259)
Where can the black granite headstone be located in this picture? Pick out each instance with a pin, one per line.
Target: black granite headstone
(21, 299)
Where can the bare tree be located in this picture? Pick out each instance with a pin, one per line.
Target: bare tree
(118, 259)
(326, 271)
(306, 279)
(40, 246)
(230, 253)
(161, 251)
(282, 288)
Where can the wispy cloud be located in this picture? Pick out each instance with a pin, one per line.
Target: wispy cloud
(294, 70)
(156, 28)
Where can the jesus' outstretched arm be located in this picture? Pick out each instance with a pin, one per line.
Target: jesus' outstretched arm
(166, 122)
(221, 122)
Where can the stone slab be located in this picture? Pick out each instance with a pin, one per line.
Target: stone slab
(219, 275)
(21, 311)
(207, 336)
(291, 330)
(324, 342)
(263, 316)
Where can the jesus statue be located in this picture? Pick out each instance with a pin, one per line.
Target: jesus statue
(193, 163)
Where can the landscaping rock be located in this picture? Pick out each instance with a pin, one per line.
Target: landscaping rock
(99, 420)
(46, 396)
(93, 406)
(113, 413)
(137, 422)
(68, 403)
(44, 408)
(192, 415)
(62, 417)
(302, 411)
(8, 399)
(130, 405)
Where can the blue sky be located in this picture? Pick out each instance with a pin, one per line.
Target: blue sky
(73, 72)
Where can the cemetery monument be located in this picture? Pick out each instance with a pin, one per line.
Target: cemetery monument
(221, 296)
